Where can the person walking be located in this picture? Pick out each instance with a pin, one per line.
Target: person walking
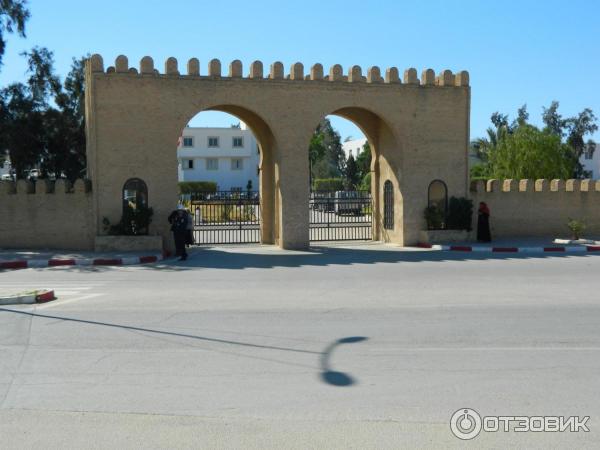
(483, 223)
(179, 226)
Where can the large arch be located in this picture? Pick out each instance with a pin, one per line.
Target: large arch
(419, 129)
(386, 154)
(264, 136)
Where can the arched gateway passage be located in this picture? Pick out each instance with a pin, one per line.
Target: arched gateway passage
(418, 127)
(348, 212)
(242, 214)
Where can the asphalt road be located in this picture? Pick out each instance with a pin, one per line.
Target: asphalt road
(341, 347)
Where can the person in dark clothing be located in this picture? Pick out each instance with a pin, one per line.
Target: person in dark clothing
(483, 223)
(179, 226)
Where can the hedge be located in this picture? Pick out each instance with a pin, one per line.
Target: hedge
(328, 184)
(189, 187)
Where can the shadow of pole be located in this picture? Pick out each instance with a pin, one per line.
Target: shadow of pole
(335, 377)
(329, 376)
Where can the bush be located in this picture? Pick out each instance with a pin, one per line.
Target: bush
(134, 222)
(479, 172)
(189, 187)
(328, 184)
(460, 214)
(434, 218)
(365, 184)
(577, 227)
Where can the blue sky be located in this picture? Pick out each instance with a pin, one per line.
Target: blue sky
(516, 51)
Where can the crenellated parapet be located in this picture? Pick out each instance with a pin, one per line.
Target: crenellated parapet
(354, 74)
(540, 185)
(45, 187)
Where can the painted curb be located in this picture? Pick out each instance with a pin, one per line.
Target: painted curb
(29, 298)
(41, 263)
(492, 249)
(45, 295)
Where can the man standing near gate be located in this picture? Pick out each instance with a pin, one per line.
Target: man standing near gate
(179, 226)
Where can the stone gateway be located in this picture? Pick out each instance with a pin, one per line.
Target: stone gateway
(418, 129)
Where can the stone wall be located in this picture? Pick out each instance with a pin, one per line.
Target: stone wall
(46, 215)
(418, 128)
(538, 208)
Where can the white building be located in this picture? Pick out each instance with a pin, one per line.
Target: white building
(226, 156)
(353, 147)
(590, 160)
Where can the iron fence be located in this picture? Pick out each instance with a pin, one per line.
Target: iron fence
(224, 217)
(340, 215)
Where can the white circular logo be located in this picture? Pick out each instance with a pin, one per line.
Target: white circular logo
(465, 423)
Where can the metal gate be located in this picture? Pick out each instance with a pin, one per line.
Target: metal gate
(340, 215)
(225, 217)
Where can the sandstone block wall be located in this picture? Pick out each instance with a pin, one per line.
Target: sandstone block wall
(538, 208)
(418, 129)
(46, 215)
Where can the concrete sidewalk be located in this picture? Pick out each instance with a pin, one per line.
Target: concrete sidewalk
(515, 245)
(22, 259)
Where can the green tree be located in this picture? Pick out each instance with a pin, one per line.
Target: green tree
(331, 163)
(365, 183)
(352, 176)
(21, 127)
(578, 127)
(316, 152)
(42, 120)
(495, 157)
(363, 161)
(65, 126)
(553, 121)
(13, 16)
(531, 153)
(482, 147)
(574, 129)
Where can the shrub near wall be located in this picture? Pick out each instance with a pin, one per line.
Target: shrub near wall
(328, 184)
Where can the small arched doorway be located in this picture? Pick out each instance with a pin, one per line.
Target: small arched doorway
(437, 205)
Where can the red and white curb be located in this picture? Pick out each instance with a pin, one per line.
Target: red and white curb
(491, 249)
(29, 298)
(40, 263)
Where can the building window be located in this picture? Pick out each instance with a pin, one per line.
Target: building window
(238, 142)
(213, 141)
(237, 164)
(388, 205)
(187, 164)
(188, 141)
(437, 202)
(589, 151)
(212, 164)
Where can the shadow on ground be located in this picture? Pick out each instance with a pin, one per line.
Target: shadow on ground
(266, 257)
(239, 258)
(327, 374)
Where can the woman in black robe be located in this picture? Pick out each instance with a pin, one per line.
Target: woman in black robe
(483, 223)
